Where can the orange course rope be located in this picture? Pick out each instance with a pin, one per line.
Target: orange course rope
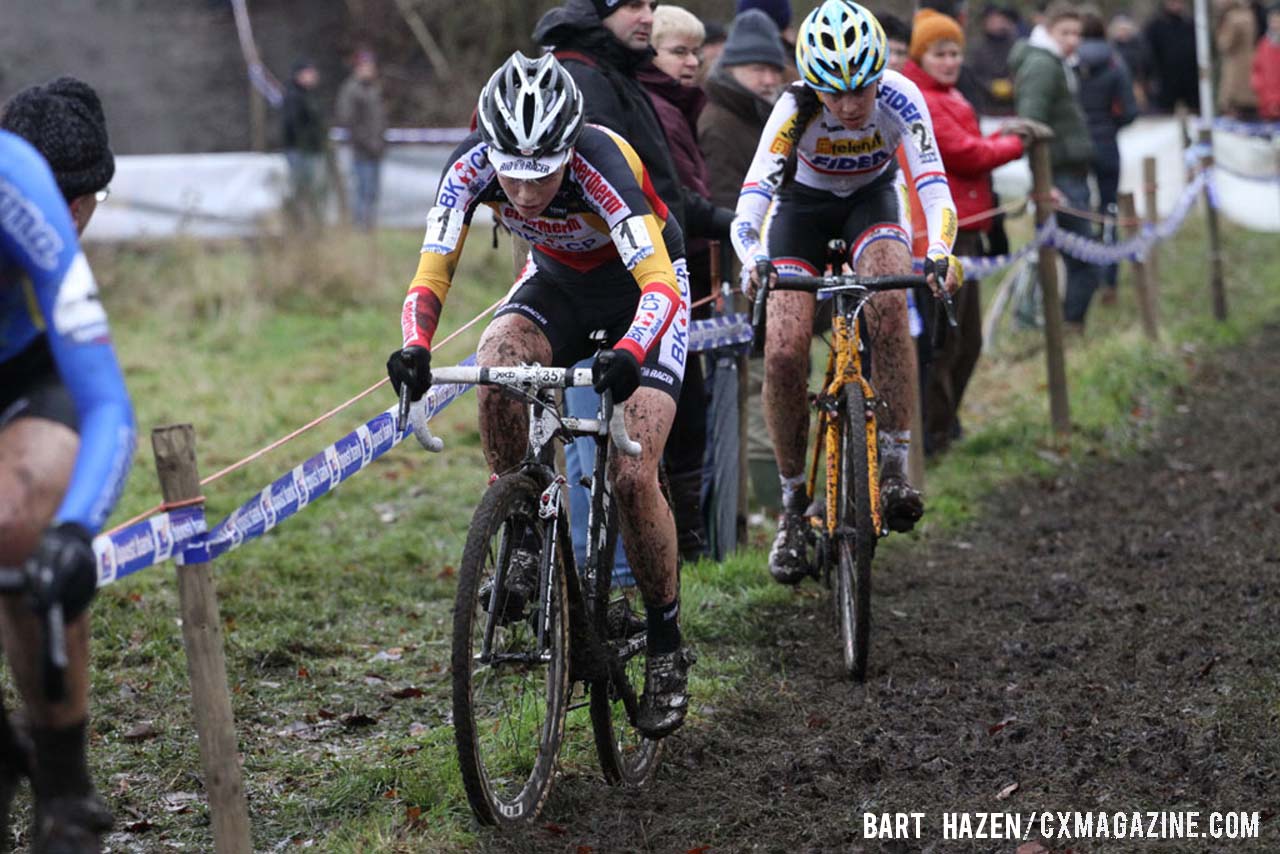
(296, 433)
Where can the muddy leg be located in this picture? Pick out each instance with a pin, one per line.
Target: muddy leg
(504, 422)
(786, 377)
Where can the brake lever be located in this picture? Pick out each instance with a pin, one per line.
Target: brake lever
(759, 309)
(402, 416)
(55, 653)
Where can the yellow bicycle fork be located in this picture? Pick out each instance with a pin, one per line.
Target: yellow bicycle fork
(844, 365)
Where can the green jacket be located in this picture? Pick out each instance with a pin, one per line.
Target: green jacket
(1041, 92)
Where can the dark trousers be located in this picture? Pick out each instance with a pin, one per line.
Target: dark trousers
(1082, 277)
(952, 362)
(1108, 193)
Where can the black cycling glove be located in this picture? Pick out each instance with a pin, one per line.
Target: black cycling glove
(411, 366)
(616, 371)
(65, 569)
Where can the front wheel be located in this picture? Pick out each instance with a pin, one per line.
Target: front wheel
(627, 757)
(855, 543)
(511, 671)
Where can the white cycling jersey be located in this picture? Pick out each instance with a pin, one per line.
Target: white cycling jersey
(840, 161)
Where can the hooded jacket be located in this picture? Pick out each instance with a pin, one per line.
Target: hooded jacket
(967, 155)
(678, 108)
(1106, 96)
(605, 70)
(728, 132)
(1044, 90)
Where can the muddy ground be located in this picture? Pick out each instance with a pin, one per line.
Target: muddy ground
(1105, 640)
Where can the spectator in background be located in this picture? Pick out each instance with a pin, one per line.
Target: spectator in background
(671, 81)
(897, 34)
(304, 141)
(779, 11)
(602, 44)
(1171, 39)
(712, 47)
(361, 110)
(1106, 96)
(989, 60)
(937, 44)
(1266, 68)
(1045, 90)
(1128, 41)
(1235, 37)
(741, 91)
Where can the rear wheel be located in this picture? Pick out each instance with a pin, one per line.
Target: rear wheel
(627, 758)
(510, 681)
(855, 543)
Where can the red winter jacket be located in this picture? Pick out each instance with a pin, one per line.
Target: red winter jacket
(1266, 78)
(968, 156)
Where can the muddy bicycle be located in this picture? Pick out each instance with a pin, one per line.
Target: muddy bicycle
(515, 675)
(847, 450)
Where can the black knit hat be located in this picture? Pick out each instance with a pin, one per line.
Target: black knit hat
(63, 120)
(605, 8)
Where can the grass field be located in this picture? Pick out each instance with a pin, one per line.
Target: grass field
(336, 613)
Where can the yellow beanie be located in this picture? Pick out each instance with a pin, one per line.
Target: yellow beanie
(930, 26)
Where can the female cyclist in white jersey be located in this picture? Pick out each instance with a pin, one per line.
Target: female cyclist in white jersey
(826, 165)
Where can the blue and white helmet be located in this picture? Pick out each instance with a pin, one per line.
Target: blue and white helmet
(840, 47)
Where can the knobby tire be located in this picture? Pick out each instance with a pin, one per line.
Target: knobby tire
(856, 537)
(498, 711)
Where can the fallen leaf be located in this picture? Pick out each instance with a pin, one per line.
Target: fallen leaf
(391, 794)
(701, 849)
(585, 849)
(1006, 791)
(141, 732)
(141, 826)
(409, 693)
(325, 714)
(554, 828)
(815, 721)
(995, 728)
(295, 729)
(177, 802)
(304, 673)
(447, 572)
(358, 719)
(1032, 848)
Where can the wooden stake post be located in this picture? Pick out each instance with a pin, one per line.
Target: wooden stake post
(1142, 285)
(175, 450)
(1059, 404)
(1151, 216)
(1215, 237)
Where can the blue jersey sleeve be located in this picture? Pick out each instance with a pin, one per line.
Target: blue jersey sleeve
(37, 237)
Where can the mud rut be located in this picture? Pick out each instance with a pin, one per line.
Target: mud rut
(1121, 621)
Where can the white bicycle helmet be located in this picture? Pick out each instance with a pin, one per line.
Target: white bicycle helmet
(840, 47)
(530, 114)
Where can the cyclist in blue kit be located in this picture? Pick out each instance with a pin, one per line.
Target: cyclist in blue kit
(66, 442)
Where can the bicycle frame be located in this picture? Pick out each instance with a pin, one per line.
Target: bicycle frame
(844, 366)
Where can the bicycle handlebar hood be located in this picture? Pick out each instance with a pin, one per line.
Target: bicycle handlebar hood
(530, 114)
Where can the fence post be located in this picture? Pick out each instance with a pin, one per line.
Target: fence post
(1133, 226)
(1059, 405)
(1151, 215)
(257, 119)
(1215, 237)
(175, 451)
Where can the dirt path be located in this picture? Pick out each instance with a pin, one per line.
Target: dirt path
(1106, 640)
